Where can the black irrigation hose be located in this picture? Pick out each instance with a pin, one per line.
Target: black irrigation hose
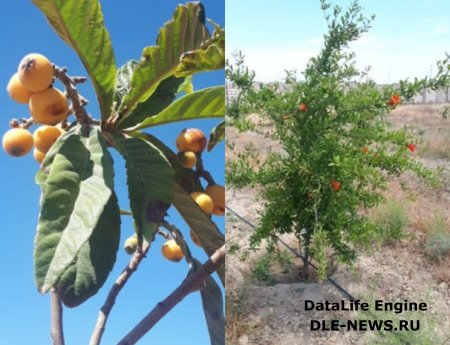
(333, 282)
(293, 251)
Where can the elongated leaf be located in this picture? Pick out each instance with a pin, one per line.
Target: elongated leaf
(95, 259)
(163, 96)
(213, 309)
(210, 236)
(150, 180)
(80, 24)
(216, 136)
(185, 32)
(76, 190)
(209, 102)
(210, 57)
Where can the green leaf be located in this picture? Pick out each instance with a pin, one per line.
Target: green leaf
(80, 24)
(209, 102)
(95, 259)
(164, 95)
(216, 136)
(213, 309)
(77, 187)
(150, 179)
(185, 32)
(210, 57)
(210, 236)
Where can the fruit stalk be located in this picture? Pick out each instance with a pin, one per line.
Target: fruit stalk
(78, 101)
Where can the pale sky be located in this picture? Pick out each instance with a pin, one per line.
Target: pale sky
(406, 39)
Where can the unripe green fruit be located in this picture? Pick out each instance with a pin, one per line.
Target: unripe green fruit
(131, 244)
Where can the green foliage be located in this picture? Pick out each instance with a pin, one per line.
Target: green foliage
(99, 64)
(428, 334)
(199, 104)
(185, 32)
(150, 181)
(239, 172)
(95, 259)
(210, 236)
(437, 244)
(261, 271)
(77, 186)
(79, 223)
(217, 135)
(391, 222)
(338, 150)
(241, 77)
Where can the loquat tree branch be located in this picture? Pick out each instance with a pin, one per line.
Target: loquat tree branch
(78, 101)
(56, 314)
(191, 283)
(113, 293)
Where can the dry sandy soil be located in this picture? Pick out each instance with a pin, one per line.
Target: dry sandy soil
(266, 314)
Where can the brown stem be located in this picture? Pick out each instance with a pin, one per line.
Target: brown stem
(56, 312)
(113, 293)
(190, 284)
(78, 101)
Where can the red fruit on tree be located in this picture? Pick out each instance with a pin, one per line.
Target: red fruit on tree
(335, 185)
(303, 107)
(394, 100)
(411, 147)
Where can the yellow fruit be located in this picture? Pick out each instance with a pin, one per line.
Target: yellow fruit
(17, 91)
(187, 159)
(172, 251)
(204, 201)
(45, 136)
(17, 142)
(49, 106)
(131, 243)
(191, 139)
(217, 194)
(35, 72)
(195, 238)
(38, 155)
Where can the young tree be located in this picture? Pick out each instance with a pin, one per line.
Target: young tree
(338, 151)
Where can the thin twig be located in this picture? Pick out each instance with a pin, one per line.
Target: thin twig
(113, 293)
(56, 312)
(192, 283)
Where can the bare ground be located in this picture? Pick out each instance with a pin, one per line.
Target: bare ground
(262, 314)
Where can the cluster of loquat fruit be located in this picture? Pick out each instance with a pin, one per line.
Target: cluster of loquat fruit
(48, 106)
(190, 144)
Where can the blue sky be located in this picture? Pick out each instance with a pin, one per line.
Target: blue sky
(406, 38)
(24, 314)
